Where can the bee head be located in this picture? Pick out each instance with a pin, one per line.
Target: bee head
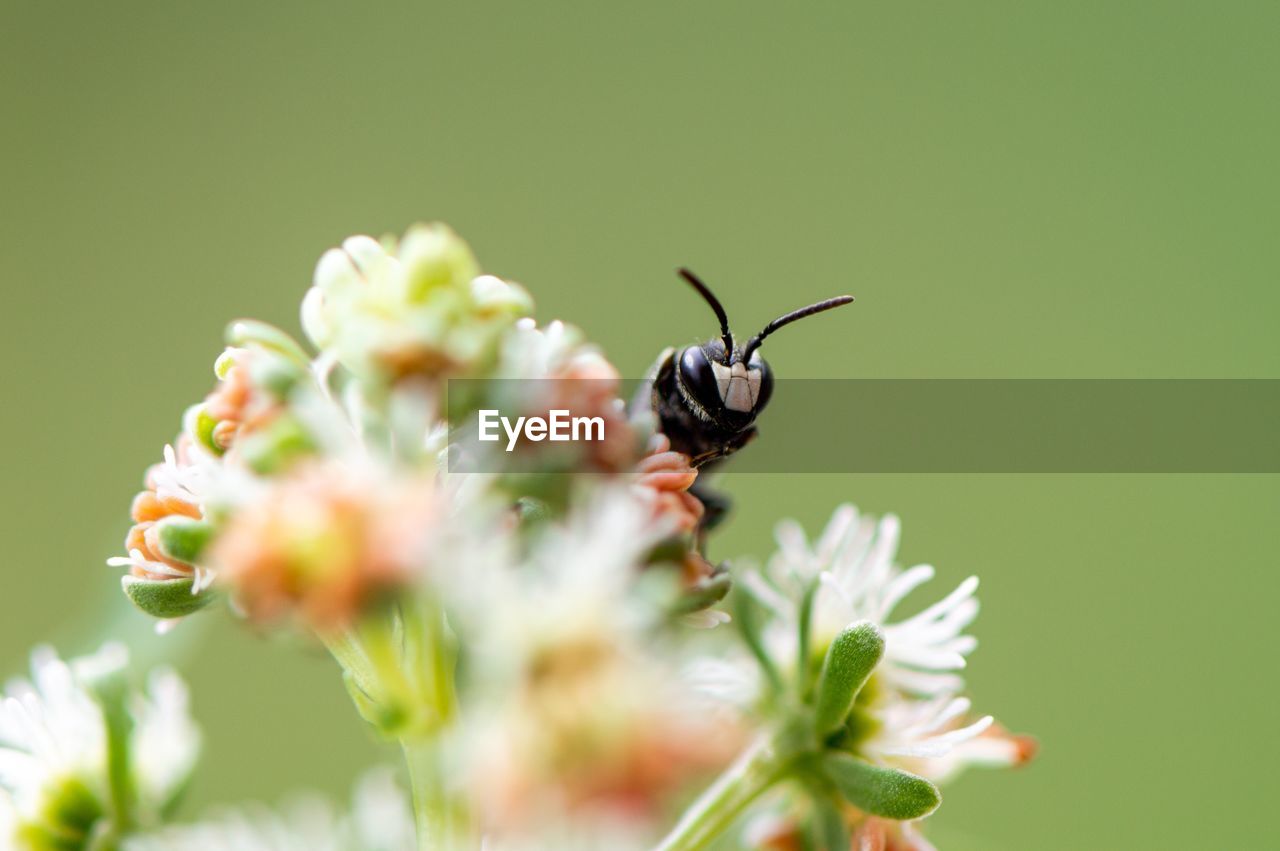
(728, 384)
(726, 389)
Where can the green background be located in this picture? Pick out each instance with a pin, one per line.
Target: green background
(1029, 189)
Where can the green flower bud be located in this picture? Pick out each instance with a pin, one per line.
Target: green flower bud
(182, 538)
(224, 363)
(276, 445)
(276, 375)
(199, 425)
(247, 332)
(434, 258)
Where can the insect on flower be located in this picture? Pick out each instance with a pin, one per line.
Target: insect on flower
(707, 396)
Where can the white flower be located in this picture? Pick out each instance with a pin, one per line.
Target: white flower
(187, 480)
(938, 739)
(380, 819)
(8, 817)
(923, 724)
(921, 728)
(853, 562)
(51, 731)
(54, 755)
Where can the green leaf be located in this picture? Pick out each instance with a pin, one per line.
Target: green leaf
(850, 659)
(165, 598)
(183, 538)
(885, 792)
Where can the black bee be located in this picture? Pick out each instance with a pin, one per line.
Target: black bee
(707, 396)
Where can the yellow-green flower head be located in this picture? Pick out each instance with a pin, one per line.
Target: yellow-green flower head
(417, 306)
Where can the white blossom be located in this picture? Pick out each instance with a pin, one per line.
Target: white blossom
(923, 721)
(853, 563)
(54, 753)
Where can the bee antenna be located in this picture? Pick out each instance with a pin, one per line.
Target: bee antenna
(709, 297)
(787, 319)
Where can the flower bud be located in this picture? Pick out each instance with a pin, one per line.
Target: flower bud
(493, 295)
(247, 332)
(203, 429)
(275, 375)
(276, 445)
(180, 538)
(433, 258)
(315, 321)
(256, 382)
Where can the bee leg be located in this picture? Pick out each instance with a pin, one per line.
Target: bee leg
(716, 505)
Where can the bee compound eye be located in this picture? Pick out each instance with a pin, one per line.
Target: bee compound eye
(699, 378)
(765, 387)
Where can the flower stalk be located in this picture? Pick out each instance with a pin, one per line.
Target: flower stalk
(399, 666)
(440, 816)
(755, 772)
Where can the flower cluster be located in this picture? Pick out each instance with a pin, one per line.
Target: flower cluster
(538, 629)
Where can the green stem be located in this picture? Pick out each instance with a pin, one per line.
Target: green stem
(401, 663)
(112, 693)
(440, 817)
(430, 660)
(759, 768)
